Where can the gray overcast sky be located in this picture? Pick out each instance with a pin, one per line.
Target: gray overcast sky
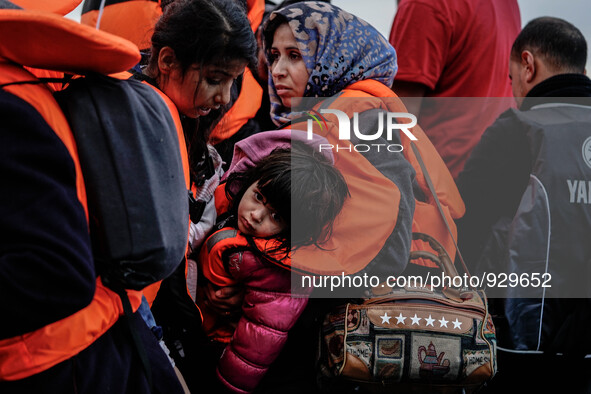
(380, 13)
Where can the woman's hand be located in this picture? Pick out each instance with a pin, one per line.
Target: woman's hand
(224, 300)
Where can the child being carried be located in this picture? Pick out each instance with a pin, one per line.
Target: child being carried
(287, 200)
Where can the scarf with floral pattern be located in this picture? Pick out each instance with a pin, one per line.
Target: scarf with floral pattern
(337, 47)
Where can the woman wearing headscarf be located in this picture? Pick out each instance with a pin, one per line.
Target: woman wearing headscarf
(330, 72)
(323, 58)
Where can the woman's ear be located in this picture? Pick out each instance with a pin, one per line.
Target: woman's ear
(167, 61)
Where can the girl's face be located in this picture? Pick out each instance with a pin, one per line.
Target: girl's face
(288, 70)
(200, 89)
(256, 217)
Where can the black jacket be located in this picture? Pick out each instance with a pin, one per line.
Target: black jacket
(524, 216)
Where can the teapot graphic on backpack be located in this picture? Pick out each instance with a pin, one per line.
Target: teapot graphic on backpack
(432, 365)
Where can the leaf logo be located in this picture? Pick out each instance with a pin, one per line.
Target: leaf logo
(317, 118)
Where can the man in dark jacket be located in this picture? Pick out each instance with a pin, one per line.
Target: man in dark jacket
(526, 187)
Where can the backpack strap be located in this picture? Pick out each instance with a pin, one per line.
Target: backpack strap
(434, 194)
(139, 345)
(64, 80)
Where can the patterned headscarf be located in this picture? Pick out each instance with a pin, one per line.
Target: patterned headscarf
(338, 49)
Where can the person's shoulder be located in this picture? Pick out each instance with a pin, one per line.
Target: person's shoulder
(436, 5)
(506, 134)
(19, 115)
(16, 106)
(508, 120)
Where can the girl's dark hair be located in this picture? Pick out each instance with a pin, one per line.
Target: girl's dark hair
(203, 32)
(302, 186)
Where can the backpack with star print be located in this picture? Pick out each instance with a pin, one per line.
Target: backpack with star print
(414, 332)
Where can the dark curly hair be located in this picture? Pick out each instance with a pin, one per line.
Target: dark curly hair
(305, 189)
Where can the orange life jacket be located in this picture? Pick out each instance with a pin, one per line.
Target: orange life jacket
(244, 108)
(67, 46)
(132, 20)
(215, 255)
(251, 94)
(227, 240)
(256, 11)
(61, 7)
(360, 225)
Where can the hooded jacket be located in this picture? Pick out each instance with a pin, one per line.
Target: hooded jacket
(270, 308)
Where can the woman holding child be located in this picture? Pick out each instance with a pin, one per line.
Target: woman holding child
(336, 61)
(323, 58)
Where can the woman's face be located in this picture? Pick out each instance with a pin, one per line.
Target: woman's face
(256, 217)
(288, 69)
(200, 89)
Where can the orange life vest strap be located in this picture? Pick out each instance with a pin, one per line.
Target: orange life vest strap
(32, 353)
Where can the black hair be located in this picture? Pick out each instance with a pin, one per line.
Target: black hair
(269, 28)
(165, 3)
(305, 189)
(202, 32)
(561, 44)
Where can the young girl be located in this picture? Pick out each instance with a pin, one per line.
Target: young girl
(288, 200)
(198, 49)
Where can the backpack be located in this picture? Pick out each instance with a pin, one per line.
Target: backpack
(130, 159)
(133, 173)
